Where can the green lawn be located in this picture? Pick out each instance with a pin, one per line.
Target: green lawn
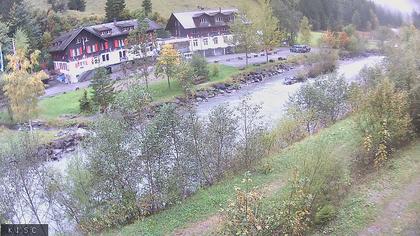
(340, 140)
(316, 36)
(51, 108)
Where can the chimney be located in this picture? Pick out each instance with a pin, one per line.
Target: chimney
(115, 20)
(220, 9)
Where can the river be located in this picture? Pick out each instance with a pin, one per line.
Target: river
(272, 94)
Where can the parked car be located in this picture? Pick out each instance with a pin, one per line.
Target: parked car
(300, 48)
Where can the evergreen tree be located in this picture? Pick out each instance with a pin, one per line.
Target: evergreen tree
(58, 5)
(22, 16)
(6, 6)
(356, 20)
(77, 5)
(147, 7)
(114, 9)
(103, 89)
(288, 12)
(84, 103)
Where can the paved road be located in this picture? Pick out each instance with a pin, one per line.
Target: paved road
(230, 60)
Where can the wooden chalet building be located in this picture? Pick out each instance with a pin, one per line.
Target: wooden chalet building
(203, 31)
(88, 48)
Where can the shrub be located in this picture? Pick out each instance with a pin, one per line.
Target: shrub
(215, 70)
(322, 63)
(384, 122)
(289, 131)
(325, 214)
(320, 103)
(85, 103)
(132, 101)
(243, 216)
(200, 66)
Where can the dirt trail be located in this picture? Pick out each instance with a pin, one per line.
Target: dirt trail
(210, 224)
(397, 210)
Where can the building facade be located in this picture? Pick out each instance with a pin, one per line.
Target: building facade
(79, 51)
(205, 31)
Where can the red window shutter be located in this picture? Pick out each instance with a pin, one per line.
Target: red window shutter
(116, 43)
(106, 45)
(71, 52)
(96, 47)
(81, 50)
(125, 42)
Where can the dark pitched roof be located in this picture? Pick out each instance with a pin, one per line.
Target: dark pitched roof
(61, 43)
(186, 19)
(116, 28)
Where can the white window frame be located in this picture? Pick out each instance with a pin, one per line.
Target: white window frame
(215, 40)
(205, 41)
(195, 43)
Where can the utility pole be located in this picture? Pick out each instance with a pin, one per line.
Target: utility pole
(1, 59)
(14, 46)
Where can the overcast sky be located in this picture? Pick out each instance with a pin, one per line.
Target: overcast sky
(405, 6)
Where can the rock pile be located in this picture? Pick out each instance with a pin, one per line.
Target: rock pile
(244, 78)
(66, 142)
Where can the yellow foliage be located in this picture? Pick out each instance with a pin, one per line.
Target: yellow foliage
(168, 61)
(22, 86)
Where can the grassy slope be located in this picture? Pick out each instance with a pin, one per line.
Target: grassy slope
(340, 140)
(365, 202)
(164, 7)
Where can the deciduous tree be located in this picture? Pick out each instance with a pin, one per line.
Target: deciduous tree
(268, 31)
(168, 61)
(305, 31)
(244, 33)
(23, 85)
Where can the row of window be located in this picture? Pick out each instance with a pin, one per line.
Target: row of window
(214, 30)
(218, 19)
(75, 52)
(81, 40)
(206, 41)
(61, 66)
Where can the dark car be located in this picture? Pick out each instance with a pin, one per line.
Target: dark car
(300, 48)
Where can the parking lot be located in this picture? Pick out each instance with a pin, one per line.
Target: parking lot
(238, 60)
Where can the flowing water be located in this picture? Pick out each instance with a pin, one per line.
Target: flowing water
(272, 94)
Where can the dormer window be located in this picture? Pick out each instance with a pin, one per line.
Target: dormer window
(105, 32)
(219, 19)
(203, 20)
(128, 28)
(82, 39)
